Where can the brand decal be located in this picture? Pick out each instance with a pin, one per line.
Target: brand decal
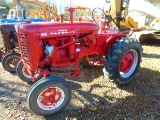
(44, 34)
(61, 32)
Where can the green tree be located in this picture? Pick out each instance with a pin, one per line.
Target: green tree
(8, 5)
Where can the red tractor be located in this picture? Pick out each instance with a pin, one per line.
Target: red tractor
(47, 45)
(9, 51)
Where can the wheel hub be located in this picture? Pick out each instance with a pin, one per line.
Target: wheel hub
(12, 62)
(127, 62)
(26, 73)
(51, 98)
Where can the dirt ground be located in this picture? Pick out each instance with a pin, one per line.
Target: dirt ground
(92, 97)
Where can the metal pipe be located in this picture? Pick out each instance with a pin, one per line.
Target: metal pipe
(61, 9)
(71, 14)
(18, 9)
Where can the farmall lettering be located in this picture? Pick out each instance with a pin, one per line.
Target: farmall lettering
(43, 34)
(61, 32)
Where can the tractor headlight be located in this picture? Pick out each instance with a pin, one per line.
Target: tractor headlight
(49, 51)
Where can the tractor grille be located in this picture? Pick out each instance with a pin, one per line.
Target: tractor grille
(25, 49)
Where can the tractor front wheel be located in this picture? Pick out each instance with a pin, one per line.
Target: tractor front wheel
(24, 75)
(10, 61)
(123, 61)
(49, 96)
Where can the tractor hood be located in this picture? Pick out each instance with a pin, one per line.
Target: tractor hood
(52, 29)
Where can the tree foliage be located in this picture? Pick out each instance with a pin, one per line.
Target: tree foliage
(8, 5)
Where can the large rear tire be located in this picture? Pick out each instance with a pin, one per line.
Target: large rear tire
(24, 75)
(10, 61)
(123, 61)
(49, 96)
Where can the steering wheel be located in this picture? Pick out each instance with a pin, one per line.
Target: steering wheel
(98, 14)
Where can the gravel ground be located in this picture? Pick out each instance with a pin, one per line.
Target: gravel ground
(92, 97)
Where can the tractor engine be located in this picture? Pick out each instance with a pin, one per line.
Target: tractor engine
(55, 44)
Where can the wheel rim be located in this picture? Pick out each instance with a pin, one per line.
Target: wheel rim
(27, 75)
(128, 63)
(51, 98)
(12, 62)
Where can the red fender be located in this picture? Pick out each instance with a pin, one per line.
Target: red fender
(111, 41)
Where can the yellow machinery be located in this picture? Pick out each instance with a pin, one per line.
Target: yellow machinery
(44, 11)
(84, 13)
(47, 13)
(129, 23)
(119, 11)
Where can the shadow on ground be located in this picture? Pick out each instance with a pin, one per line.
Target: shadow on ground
(153, 42)
(139, 104)
(99, 100)
(157, 56)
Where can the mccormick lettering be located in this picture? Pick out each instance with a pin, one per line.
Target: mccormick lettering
(44, 34)
(61, 32)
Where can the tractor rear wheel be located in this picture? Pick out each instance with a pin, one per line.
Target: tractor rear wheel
(49, 96)
(123, 61)
(24, 75)
(10, 61)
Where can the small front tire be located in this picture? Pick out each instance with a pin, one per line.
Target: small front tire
(10, 61)
(24, 75)
(49, 96)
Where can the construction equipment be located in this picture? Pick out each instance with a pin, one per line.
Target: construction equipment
(47, 13)
(49, 45)
(43, 11)
(151, 32)
(155, 24)
(13, 14)
(118, 12)
(83, 13)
